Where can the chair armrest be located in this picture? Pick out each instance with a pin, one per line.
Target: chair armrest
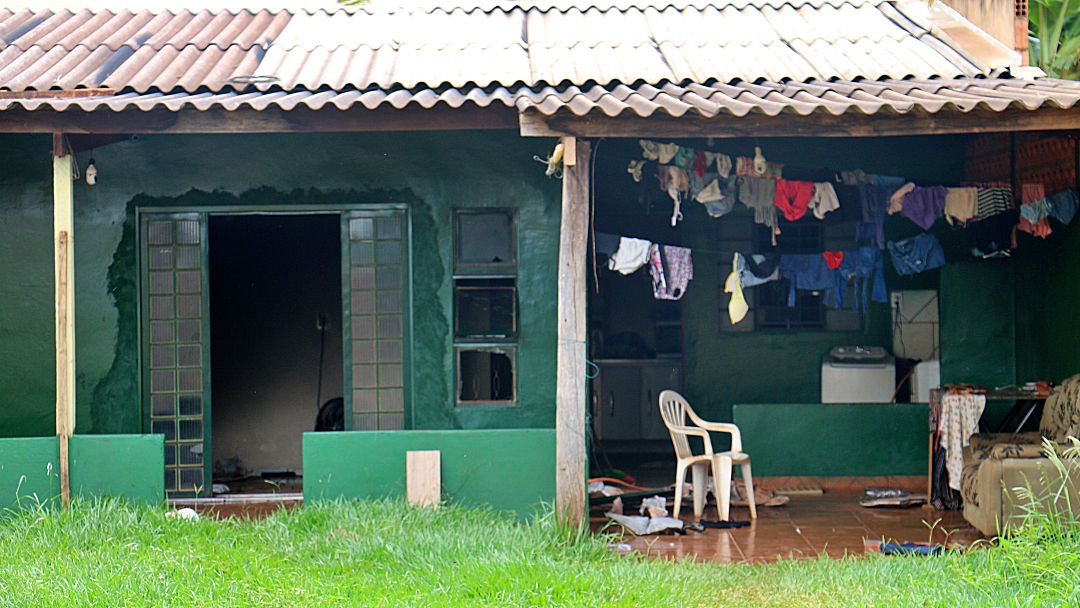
(697, 432)
(720, 427)
(1017, 450)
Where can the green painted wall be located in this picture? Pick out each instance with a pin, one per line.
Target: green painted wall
(29, 470)
(27, 360)
(1047, 276)
(977, 333)
(434, 172)
(511, 470)
(106, 465)
(834, 439)
(119, 465)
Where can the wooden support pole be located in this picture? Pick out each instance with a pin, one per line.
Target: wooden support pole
(64, 277)
(570, 473)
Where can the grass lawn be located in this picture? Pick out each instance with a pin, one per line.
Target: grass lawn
(386, 554)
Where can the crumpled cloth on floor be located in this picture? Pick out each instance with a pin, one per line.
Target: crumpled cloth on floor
(959, 420)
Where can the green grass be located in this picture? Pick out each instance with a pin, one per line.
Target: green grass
(383, 553)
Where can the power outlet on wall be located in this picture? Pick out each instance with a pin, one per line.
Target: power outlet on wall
(897, 299)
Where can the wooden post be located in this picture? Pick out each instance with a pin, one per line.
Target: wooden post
(64, 277)
(570, 473)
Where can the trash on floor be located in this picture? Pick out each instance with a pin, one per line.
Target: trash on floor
(654, 507)
(187, 514)
(642, 526)
(908, 548)
(890, 497)
(723, 525)
(763, 497)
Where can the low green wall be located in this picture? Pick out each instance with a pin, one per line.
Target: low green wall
(131, 466)
(830, 440)
(508, 469)
(29, 470)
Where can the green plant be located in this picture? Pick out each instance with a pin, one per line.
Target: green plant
(1054, 37)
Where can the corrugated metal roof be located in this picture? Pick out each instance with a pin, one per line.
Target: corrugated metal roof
(498, 44)
(643, 100)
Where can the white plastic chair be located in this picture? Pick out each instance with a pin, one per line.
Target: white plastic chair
(674, 410)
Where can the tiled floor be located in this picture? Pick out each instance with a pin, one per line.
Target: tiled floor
(832, 523)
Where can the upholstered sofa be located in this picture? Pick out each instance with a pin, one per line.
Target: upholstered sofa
(1000, 467)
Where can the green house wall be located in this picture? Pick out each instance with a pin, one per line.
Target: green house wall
(433, 172)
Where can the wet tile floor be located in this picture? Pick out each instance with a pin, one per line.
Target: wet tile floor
(808, 526)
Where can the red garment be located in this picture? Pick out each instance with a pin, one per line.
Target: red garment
(700, 162)
(833, 259)
(1040, 229)
(793, 197)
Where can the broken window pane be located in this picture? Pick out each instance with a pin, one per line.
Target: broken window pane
(485, 374)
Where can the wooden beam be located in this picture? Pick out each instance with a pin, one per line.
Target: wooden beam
(423, 478)
(64, 280)
(247, 120)
(570, 473)
(850, 124)
(569, 157)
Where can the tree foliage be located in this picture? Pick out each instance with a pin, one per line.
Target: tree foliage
(1054, 37)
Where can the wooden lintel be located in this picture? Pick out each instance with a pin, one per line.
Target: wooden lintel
(570, 398)
(533, 124)
(72, 94)
(247, 120)
(849, 124)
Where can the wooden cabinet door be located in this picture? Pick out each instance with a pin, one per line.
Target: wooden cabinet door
(618, 402)
(657, 377)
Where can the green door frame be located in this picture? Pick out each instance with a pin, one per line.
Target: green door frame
(202, 214)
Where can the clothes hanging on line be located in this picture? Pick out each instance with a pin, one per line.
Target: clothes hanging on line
(672, 269)
(824, 200)
(1063, 205)
(867, 266)
(924, 205)
(875, 206)
(992, 201)
(961, 204)
(793, 198)
(758, 194)
(737, 307)
(917, 254)
(993, 235)
(744, 167)
(833, 259)
(809, 271)
(896, 201)
(675, 182)
(754, 269)
(631, 255)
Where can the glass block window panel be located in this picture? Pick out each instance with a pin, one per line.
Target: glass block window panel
(485, 238)
(176, 379)
(486, 375)
(377, 279)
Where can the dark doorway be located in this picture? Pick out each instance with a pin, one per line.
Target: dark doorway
(275, 312)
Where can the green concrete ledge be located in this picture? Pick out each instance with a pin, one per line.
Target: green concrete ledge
(131, 466)
(834, 439)
(507, 469)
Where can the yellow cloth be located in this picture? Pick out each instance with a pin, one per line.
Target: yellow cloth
(736, 307)
(961, 204)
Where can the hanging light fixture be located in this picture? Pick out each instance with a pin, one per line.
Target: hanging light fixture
(91, 173)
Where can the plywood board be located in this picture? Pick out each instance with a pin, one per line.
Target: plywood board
(423, 479)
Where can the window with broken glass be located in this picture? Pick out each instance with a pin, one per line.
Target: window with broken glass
(485, 307)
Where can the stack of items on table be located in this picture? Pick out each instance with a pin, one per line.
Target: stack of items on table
(716, 181)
